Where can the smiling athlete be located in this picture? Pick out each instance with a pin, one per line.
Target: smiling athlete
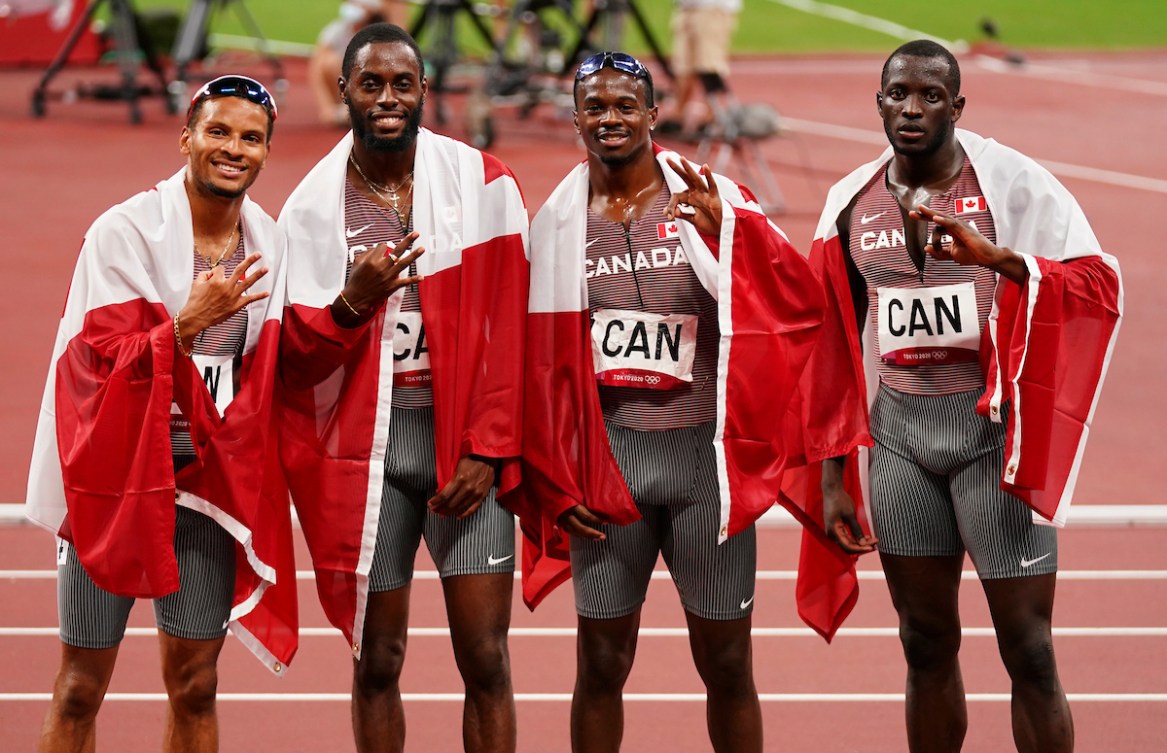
(155, 459)
(669, 321)
(403, 361)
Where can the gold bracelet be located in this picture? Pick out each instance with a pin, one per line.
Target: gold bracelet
(356, 313)
(178, 339)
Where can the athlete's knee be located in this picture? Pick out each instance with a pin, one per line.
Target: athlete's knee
(380, 665)
(192, 688)
(1029, 658)
(728, 670)
(485, 664)
(604, 666)
(79, 695)
(928, 647)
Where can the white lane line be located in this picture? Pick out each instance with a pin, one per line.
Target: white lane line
(664, 575)
(1061, 169)
(632, 697)
(1085, 515)
(664, 632)
(864, 21)
(1078, 76)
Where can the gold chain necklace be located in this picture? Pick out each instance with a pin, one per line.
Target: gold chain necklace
(381, 190)
(223, 254)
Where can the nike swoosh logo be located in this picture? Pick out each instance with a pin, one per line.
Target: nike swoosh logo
(865, 219)
(1027, 563)
(492, 560)
(354, 233)
(589, 243)
(746, 603)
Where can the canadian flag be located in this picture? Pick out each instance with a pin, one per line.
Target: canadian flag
(667, 230)
(971, 204)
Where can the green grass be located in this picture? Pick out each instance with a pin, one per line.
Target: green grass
(766, 26)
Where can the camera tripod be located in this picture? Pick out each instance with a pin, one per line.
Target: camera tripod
(129, 44)
(191, 43)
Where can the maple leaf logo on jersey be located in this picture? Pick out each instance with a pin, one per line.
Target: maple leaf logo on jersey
(667, 230)
(971, 204)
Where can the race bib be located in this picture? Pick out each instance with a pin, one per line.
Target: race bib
(411, 357)
(650, 351)
(919, 326)
(218, 373)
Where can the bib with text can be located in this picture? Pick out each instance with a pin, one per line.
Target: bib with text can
(638, 349)
(411, 356)
(921, 326)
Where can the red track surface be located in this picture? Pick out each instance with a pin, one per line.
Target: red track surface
(59, 173)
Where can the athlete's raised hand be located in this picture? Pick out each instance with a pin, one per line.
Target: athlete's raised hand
(966, 245)
(699, 203)
(376, 275)
(215, 297)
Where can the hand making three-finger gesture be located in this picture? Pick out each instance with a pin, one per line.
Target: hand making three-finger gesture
(955, 240)
(215, 296)
(699, 203)
(375, 277)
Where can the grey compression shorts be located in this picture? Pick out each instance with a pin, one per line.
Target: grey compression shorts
(672, 475)
(93, 618)
(483, 543)
(936, 487)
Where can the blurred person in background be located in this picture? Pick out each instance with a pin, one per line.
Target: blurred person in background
(702, 32)
(324, 64)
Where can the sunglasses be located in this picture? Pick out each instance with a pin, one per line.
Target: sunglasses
(621, 61)
(236, 86)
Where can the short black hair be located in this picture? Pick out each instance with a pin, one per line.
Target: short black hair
(377, 34)
(926, 48)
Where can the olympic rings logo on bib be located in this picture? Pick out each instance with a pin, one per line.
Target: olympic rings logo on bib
(647, 351)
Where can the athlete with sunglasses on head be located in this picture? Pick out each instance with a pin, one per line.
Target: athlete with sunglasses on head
(668, 320)
(155, 459)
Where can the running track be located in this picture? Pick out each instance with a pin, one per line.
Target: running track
(1095, 120)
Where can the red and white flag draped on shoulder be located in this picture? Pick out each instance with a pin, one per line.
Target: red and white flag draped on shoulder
(769, 310)
(102, 476)
(470, 213)
(1045, 351)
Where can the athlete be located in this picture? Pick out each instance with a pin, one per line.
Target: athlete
(988, 312)
(403, 358)
(669, 322)
(155, 460)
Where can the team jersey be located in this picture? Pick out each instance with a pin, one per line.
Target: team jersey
(366, 225)
(218, 354)
(671, 354)
(925, 322)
